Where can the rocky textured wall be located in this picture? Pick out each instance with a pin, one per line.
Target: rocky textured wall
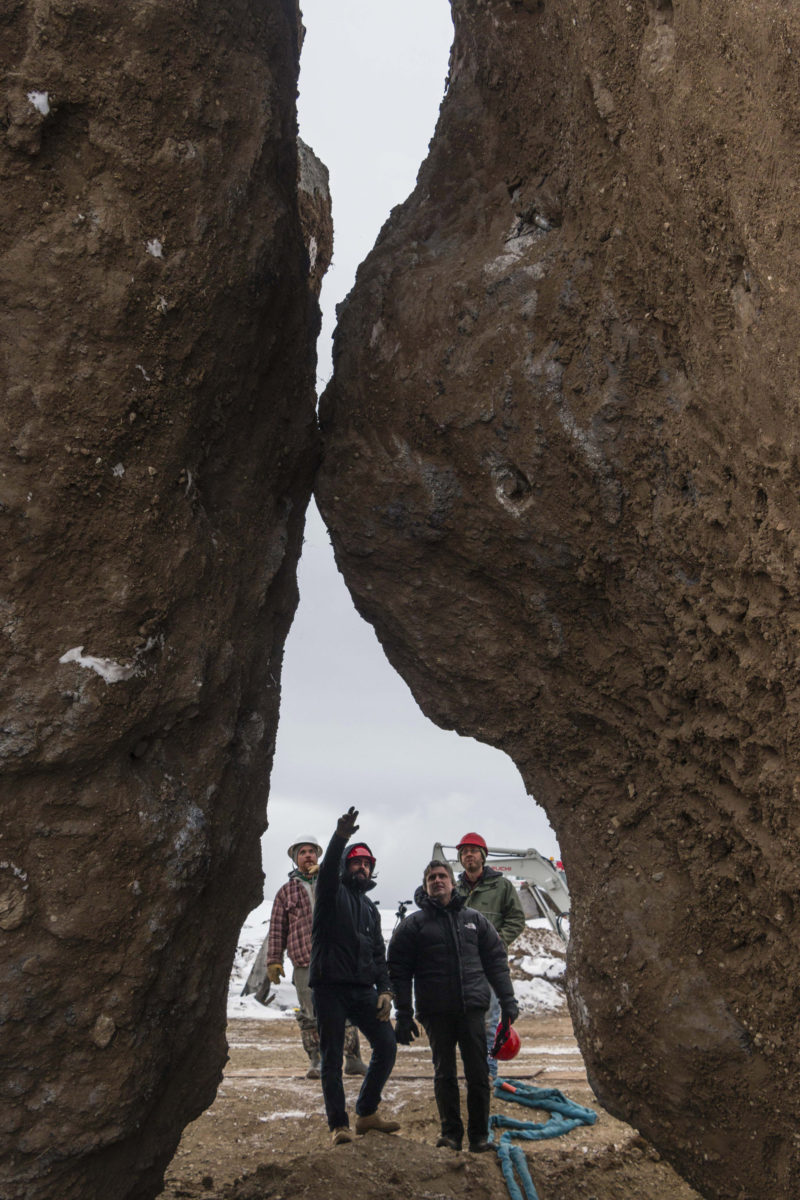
(157, 444)
(561, 473)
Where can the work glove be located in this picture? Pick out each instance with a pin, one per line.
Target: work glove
(509, 1012)
(384, 1006)
(346, 826)
(275, 973)
(405, 1029)
(312, 870)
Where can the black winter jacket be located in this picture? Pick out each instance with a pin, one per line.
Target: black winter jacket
(452, 954)
(346, 940)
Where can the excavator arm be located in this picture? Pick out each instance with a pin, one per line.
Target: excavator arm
(543, 890)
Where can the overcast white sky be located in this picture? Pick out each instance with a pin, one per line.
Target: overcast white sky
(350, 732)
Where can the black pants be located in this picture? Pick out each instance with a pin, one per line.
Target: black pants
(467, 1031)
(334, 1004)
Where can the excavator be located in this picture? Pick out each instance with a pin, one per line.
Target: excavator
(543, 888)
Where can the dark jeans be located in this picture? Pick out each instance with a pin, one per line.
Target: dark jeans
(466, 1030)
(334, 1004)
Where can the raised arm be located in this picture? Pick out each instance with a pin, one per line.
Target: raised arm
(329, 876)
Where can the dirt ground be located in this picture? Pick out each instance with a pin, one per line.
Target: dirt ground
(265, 1137)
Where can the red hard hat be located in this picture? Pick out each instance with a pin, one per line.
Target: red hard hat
(510, 1047)
(472, 839)
(361, 850)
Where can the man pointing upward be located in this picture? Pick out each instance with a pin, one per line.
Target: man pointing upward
(349, 979)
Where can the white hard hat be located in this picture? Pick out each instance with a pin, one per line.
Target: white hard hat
(303, 841)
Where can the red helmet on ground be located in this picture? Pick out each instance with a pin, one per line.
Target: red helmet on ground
(510, 1047)
(473, 839)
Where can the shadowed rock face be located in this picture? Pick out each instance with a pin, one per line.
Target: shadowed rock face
(562, 479)
(157, 446)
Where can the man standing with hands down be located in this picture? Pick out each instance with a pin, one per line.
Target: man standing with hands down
(492, 894)
(349, 979)
(452, 954)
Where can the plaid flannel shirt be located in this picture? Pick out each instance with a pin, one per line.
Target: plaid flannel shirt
(290, 924)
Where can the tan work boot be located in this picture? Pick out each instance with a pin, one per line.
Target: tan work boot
(375, 1121)
(354, 1066)
(341, 1135)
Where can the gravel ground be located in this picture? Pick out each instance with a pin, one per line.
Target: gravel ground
(265, 1136)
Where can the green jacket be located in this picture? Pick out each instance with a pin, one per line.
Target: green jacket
(496, 897)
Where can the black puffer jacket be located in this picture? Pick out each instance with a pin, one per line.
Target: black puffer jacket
(346, 939)
(449, 953)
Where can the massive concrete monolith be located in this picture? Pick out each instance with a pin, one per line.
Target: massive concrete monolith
(157, 445)
(562, 476)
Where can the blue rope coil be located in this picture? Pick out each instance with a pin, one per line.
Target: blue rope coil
(564, 1115)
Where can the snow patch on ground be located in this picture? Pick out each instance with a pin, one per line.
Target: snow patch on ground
(538, 964)
(281, 1116)
(252, 935)
(541, 965)
(537, 995)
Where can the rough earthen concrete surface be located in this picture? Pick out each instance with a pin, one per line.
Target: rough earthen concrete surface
(157, 445)
(561, 472)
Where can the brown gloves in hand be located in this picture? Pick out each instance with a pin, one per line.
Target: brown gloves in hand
(384, 1006)
(275, 972)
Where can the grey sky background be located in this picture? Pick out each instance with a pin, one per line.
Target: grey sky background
(372, 78)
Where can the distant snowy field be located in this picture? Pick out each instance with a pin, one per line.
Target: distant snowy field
(537, 965)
